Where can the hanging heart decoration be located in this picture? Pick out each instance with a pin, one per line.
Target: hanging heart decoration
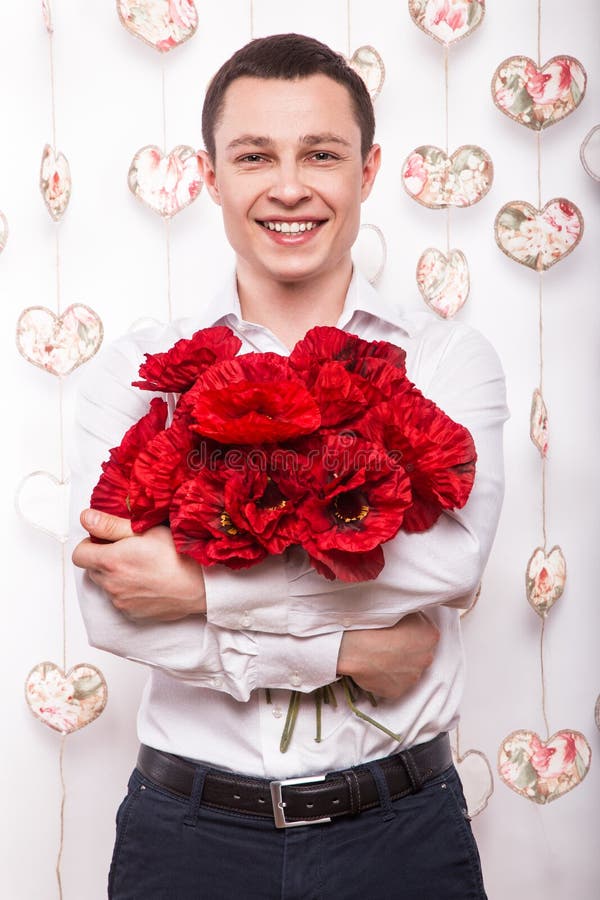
(597, 712)
(443, 280)
(55, 182)
(59, 344)
(447, 21)
(3, 231)
(42, 500)
(163, 24)
(538, 427)
(538, 97)
(370, 251)
(438, 181)
(168, 183)
(538, 238)
(545, 579)
(475, 773)
(590, 153)
(543, 771)
(66, 702)
(367, 63)
(47, 13)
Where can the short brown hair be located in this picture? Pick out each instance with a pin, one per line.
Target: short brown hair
(287, 56)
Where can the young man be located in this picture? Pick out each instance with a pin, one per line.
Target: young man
(288, 128)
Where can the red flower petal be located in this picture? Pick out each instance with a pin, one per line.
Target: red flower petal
(347, 566)
(177, 369)
(112, 490)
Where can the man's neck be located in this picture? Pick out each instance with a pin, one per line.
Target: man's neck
(290, 309)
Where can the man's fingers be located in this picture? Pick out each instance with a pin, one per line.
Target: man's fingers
(104, 526)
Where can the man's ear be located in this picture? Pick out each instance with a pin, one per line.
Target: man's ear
(209, 175)
(370, 170)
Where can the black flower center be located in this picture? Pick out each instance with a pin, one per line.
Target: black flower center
(227, 525)
(350, 507)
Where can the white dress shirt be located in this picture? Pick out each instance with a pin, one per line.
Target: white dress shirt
(279, 624)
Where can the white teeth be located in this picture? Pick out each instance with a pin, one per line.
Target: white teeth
(290, 227)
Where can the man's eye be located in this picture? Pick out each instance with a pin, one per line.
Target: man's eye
(251, 158)
(323, 156)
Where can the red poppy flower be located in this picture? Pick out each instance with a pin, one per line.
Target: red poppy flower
(356, 499)
(374, 371)
(438, 454)
(252, 399)
(177, 369)
(158, 471)
(112, 491)
(202, 526)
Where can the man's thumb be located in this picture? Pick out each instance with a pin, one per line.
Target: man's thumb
(104, 526)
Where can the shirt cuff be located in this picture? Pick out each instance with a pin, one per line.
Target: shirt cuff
(254, 598)
(297, 664)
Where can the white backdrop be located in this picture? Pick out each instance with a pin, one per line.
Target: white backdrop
(108, 89)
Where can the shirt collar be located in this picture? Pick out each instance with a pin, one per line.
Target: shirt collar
(360, 298)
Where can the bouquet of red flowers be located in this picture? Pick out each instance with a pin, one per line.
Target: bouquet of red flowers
(331, 448)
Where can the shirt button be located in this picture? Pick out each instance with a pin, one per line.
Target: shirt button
(217, 681)
(246, 621)
(277, 712)
(346, 622)
(295, 679)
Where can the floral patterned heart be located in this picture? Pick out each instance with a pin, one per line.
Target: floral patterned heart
(538, 98)
(590, 153)
(545, 579)
(543, 771)
(3, 231)
(43, 501)
(370, 251)
(59, 344)
(55, 182)
(367, 63)
(438, 181)
(538, 425)
(477, 779)
(168, 183)
(443, 280)
(447, 21)
(68, 702)
(163, 24)
(538, 238)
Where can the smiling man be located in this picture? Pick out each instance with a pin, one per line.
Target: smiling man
(214, 809)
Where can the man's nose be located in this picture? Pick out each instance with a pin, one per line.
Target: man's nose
(289, 184)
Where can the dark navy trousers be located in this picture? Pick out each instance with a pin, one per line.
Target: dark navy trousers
(419, 847)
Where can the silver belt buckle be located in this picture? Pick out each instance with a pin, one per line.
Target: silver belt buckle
(279, 803)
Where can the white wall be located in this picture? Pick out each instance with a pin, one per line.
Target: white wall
(108, 105)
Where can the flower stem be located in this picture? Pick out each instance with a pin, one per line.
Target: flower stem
(290, 721)
(362, 715)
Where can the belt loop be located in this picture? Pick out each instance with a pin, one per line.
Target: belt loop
(412, 771)
(193, 813)
(354, 791)
(383, 791)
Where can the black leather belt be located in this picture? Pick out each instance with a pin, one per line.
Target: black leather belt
(301, 801)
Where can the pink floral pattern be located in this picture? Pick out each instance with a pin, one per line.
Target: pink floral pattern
(538, 98)
(59, 344)
(163, 24)
(3, 231)
(543, 771)
(367, 63)
(168, 183)
(55, 182)
(538, 428)
(545, 579)
(447, 21)
(590, 153)
(68, 702)
(443, 280)
(538, 238)
(42, 500)
(438, 181)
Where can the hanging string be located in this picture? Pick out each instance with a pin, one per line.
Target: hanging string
(251, 20)
(539, 35)
(62, 816)
(447, 132)
(348, 26)
(52, 91)
(167, 221)
(544, 679)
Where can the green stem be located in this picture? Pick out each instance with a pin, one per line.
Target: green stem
(362, 715)
(318, 703)
(290, 721)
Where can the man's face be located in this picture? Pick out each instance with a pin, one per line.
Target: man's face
(289, 176)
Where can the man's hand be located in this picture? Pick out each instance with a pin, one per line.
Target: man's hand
(142, 574)
(389, 661)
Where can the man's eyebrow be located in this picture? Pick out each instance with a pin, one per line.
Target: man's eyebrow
(308, 140)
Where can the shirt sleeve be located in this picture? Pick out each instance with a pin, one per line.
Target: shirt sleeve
(441, 566)
(191, 649)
